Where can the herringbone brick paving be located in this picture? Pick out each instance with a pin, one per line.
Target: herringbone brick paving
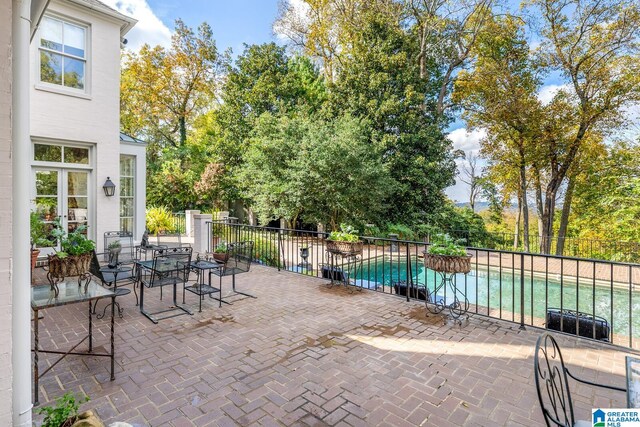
(304, 354)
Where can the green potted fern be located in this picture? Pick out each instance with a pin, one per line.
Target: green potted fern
(445, 255)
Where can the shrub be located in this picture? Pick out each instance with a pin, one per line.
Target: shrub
(64, 413)
(159, 219)
(403, 231)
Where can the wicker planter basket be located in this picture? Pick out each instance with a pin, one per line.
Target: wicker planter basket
(72, 265)
(447, 263)
(344, 248)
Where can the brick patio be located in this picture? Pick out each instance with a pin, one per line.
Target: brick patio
(303, 354)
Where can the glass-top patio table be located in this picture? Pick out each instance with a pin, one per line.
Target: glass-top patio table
(43, 297)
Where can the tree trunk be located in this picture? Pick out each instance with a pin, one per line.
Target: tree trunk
(516, 234)
(564, 218)
(182, 123)
(539, 205)
(547, 220)
(525, 205)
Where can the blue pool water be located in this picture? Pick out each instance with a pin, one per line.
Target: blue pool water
(488, 288)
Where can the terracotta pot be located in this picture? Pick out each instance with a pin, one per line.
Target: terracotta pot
(34, 259)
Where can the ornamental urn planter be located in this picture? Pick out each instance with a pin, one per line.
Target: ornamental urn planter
(448, 263)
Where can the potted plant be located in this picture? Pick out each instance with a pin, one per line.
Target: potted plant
(221, 252)
(73, 259)
(65, 413)
(445, 255)
(38, 237)
(344, 242)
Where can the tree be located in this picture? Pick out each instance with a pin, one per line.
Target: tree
(165, 90)
(470, 175)
(499, 95)
(326, 171)
(594, 45)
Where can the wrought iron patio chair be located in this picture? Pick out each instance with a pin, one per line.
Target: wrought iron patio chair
(110, 279)
(171, 266)
(239, 261)
(128, 251)
(552, 384)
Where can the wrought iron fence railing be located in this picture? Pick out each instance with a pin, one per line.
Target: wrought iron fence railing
(591, 298)
(179, 222)
(611, 250)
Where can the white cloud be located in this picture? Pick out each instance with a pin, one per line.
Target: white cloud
(149, 29)
(467, 141)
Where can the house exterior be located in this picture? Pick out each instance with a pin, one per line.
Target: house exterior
(76, 145)
(59, 140)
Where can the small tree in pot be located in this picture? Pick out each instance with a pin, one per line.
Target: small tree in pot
(445, 255)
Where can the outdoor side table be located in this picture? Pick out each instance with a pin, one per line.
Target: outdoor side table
(43, 297)
(200, 288)
(119, 292)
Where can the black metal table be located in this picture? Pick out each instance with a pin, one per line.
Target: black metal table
(119, 292)
(200, 288)
(43, 297)
(148, 266)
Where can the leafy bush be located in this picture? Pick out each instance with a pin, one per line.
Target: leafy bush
(346, 234)
(159, 219)
(443, 244)
(74, 243)
(39, 231)
(403, 231)
(64, 413)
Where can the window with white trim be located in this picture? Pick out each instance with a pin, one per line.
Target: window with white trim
(127, 192)
(63, 54)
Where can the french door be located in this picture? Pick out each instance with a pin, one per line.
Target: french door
(62, 193)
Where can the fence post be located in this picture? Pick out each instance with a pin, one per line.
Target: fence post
(279, 246)
(409, 277)
(522, 291)
(188, 222)
(201, 238)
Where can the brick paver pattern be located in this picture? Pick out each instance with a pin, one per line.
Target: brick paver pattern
(304, 354)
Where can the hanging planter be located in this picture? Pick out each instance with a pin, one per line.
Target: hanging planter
(344, 248)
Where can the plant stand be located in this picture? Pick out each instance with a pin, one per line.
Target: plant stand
(456, 302)
(340, 267)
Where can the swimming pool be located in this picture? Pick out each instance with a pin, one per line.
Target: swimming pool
(497, 292)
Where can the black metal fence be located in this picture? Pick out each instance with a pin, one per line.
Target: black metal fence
(590, 298)
(611, 250)
(179, 222)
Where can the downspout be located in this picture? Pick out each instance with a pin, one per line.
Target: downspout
(20, 269)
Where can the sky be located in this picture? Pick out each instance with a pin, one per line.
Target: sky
(236, 22)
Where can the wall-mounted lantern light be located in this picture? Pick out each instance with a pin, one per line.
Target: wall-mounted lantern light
(109, 188)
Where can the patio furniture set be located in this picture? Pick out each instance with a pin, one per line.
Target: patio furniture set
(143, 266)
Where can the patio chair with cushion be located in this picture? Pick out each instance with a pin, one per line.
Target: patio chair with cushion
(552, 384)
(238, 262)
(171, 267)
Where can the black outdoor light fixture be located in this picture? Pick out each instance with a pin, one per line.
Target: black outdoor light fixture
(109, 188)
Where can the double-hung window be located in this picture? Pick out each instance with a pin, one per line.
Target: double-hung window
(63, 54)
